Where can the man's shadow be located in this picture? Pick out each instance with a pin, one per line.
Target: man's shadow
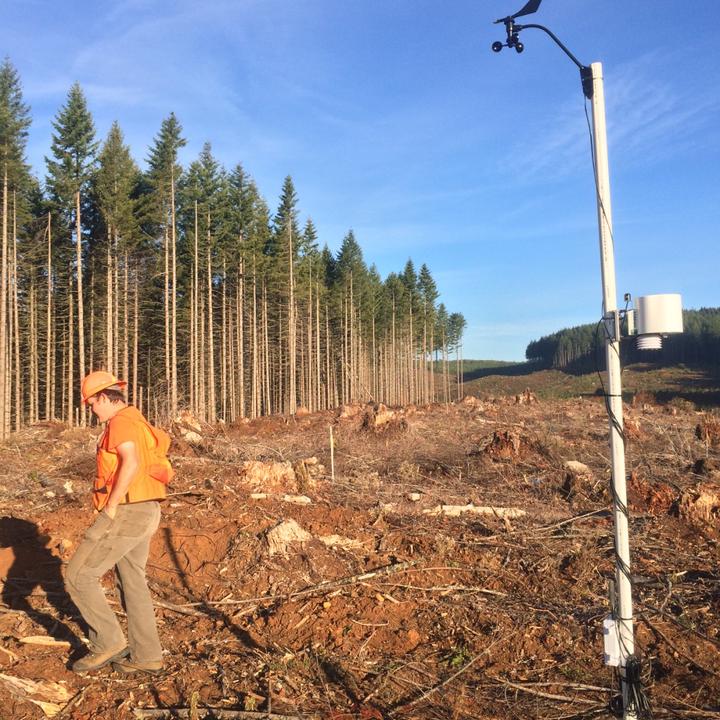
(35, 566)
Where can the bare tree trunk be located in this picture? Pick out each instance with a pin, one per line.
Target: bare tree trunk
(309, 374)
(241, 336)
(196, 314)
(318, 398)
(16, 324)
(191, 343)
(411, 358)
(32, 312)
(63, 375)
(425, 378)
(212, 417)
(202, 383)
(255, 383)
(109, 353)
(433, 398)
(49, 340)
(70, 354)
(344, 359)
(292, 344)
(136, 314)
(4, 400)
(278, 388)
(91, 352)
(231, 371)
(126, 329)
(18, 368)
(223, 345)
(328, 403)
(267, 406)
(81, 319)
(352, 368)
(166, 307)
(116, 305)
(173, 240)
(393, 368)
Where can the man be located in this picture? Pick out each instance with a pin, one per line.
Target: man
(126, 498)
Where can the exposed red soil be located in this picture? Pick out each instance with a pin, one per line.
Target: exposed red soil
(386, 611)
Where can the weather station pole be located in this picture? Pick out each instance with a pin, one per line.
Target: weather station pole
(623, 611)
(621, 623)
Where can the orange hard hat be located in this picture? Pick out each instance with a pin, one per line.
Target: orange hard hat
(97, 381)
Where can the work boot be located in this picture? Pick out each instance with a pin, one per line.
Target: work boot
(96, 660)
(128, 666)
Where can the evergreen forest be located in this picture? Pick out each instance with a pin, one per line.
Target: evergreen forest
(580, 348)
(183, 281)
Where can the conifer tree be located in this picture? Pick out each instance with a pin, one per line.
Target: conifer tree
(115, 186)
(70, 170)
(428, 296)
(269, 320)
(283, 250)
(163, 174)
(14, 124)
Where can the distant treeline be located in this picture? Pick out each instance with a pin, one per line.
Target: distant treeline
(580, 347)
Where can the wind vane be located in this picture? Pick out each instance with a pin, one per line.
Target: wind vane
(529, 8)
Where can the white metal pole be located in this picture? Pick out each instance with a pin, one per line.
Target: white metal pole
(623, 611)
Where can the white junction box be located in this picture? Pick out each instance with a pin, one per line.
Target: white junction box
(611, 642)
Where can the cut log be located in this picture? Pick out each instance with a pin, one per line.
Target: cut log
(457, 510)
(45, 640)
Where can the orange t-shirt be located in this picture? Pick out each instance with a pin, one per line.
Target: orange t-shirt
(128, 425)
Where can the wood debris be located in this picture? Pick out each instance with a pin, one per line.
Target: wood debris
(45, 640)
(268, 477)
(280, 538)
(701, 504)
(457, 510)
(50, 696)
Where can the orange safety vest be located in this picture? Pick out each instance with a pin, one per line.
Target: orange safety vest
(146, 484)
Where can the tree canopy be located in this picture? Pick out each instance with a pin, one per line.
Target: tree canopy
(183, 281)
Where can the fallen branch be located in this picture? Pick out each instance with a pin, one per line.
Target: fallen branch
(182, 609)
(447, 588)
(320, 589)
(575, 518)
(215, 714)
(661, 634)
(539, 693)
(673, 619)
(9, 653)
(426, 694)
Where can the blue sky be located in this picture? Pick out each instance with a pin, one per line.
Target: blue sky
(395, 119)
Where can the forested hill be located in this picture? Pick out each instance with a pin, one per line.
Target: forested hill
(578, 346)
(184, 282)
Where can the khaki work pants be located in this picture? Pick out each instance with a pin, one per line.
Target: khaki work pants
(122, 542)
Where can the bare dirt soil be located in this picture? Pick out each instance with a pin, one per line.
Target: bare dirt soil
(456, 567)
